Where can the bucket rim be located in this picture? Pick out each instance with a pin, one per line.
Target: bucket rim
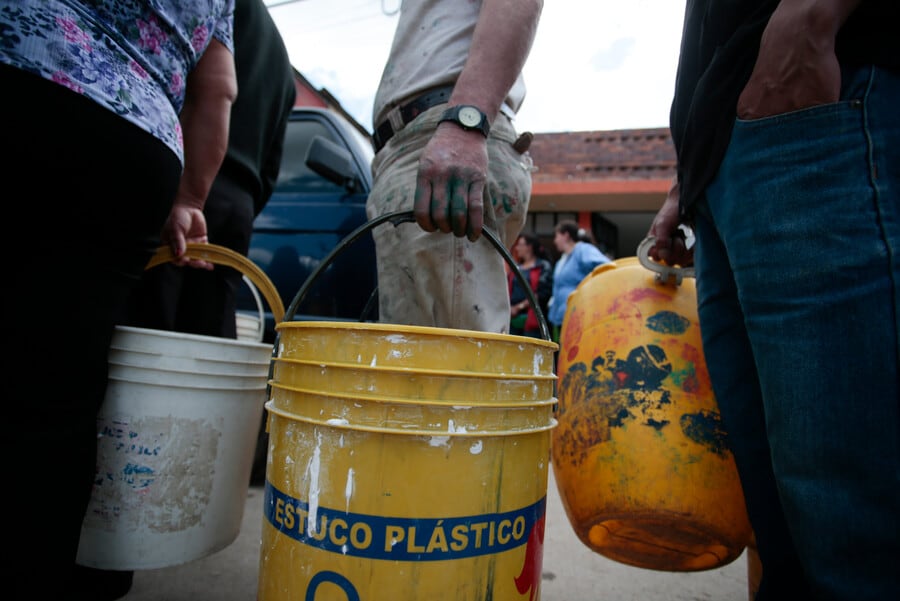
(261, 364)
(345, 425)
(263, 373)
(417, 401)
(416, 371)
(213, 340)
(421, 330)
(217, 363)
(163, 384)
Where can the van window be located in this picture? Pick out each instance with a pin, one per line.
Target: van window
(294, 176)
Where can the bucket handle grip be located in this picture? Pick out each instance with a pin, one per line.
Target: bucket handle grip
(221, 255)
(664, 273)
(396, 219)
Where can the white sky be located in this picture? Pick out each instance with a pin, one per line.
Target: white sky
(595, 64)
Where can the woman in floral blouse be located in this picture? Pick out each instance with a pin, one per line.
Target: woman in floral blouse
(115, 121)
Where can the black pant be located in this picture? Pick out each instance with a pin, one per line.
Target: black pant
(94, 192)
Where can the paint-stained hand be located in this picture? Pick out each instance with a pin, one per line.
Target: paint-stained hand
(450, 182)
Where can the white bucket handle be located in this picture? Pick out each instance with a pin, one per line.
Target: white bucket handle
(259, 306)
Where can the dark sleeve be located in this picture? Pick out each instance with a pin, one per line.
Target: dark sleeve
(272, 162)
(266, 95)
(545, 285)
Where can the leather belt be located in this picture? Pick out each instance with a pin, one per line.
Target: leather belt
(398, 118)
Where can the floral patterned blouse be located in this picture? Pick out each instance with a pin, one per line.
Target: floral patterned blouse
(131, 56)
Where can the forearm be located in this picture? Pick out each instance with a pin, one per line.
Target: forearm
(452, 169)
(821, 17)
(500, 45)
(211, 90)
(813, 23)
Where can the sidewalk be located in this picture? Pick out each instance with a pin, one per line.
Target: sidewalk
(571, 571)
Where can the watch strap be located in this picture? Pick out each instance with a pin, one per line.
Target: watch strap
(452, 114)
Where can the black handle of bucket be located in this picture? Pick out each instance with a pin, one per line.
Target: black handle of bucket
(406, 217)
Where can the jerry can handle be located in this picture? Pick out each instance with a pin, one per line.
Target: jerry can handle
(396, 219)
(664, 273)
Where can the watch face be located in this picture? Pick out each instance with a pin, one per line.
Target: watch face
(469, 116)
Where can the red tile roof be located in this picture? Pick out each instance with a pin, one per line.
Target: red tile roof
(624, 170)
(626, 154)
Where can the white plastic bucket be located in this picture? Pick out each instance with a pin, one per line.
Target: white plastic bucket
(174, 455)
(176, 438)
(249, 326)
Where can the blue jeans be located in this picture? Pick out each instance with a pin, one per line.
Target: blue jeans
(798, 281)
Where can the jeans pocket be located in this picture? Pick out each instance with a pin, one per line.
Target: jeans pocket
(801, 116)
(799, 138)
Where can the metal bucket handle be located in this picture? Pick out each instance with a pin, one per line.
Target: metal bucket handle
(408, 217)
(221, 255)
(664, 273)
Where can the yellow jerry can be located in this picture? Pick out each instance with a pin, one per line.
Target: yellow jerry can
(640, 455)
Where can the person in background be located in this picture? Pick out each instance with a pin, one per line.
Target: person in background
(94, 123)
(199, 301)
(787, 135)
(539, 274)
(577, 259)
(446, 148)
(204, 302)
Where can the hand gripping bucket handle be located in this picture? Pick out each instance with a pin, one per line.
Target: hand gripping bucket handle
(396, 219)
(664, 273)
(221, 255)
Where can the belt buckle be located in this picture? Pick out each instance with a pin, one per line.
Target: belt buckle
(396, 120)
(392, 123)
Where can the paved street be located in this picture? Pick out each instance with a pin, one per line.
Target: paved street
(572, 572)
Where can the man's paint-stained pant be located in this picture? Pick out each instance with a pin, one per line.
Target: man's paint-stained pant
(436, 279)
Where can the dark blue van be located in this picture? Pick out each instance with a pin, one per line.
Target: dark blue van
(319, 199)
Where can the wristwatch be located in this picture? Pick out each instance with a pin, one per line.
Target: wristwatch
(467, 117)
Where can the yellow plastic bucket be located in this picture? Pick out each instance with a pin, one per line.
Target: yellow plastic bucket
(406, 415)
(417, 347)
(395, 495)
(640, 456)
(440, 385)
